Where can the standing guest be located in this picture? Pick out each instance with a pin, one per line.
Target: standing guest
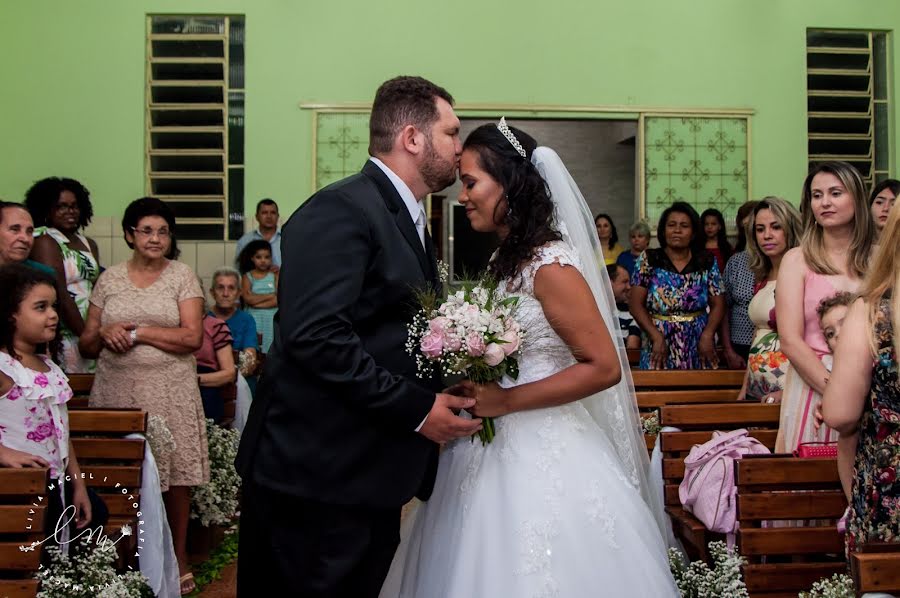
(61, 209)
(881, 201)
(225, 292)
(609, 238)
(671, 289)
(620, 281)
(863, 396)
(144, 323)
(716, 236)
(267, 218)
(215, 366)
(832, 256)
(639, 236)
(34, 419)
(258, 288)
(17, 237)
(736, 332)
(773, 228)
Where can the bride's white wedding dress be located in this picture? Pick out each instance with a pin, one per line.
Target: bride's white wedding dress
(546, 510)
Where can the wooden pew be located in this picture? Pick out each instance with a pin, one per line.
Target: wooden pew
(19, 489)
(110, 463)
(805, 496)
(876, 568)
(81, 387)
(698, 422)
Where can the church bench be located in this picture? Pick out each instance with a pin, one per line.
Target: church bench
(804, 496)
(111, 463)
(19, 489)
(698, 422)
(876, 568)
(81, 385)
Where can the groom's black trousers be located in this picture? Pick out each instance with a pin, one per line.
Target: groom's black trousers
(291, 546)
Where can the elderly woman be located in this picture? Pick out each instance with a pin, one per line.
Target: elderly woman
(772, 229)
(863, 397)
(145, 321)
(61, 209)
(17, 237)
(639, 236)
(671, 289)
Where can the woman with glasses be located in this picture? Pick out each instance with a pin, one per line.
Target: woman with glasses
(61, 209)
(144, 324)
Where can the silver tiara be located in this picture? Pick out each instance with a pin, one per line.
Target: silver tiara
(504, 128)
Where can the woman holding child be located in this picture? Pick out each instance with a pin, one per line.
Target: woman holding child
(832, 256)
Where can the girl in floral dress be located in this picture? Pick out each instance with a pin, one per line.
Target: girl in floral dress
(34, 421)
(863, 396)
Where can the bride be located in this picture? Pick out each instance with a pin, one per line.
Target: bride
(559, 504)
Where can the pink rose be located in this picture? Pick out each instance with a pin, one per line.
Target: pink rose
(452, 342)
(439, 324)
(493, 354)
(475, 344)
(42, 432)
(41, 380)
(432, 344)
(512, 341)
(15, 393)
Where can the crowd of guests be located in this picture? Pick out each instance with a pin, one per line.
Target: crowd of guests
(65, 314)
(775, 304)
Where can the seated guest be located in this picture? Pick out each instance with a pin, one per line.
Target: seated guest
(225, 292)
(215, 366)
(881, 202)
(736, 331)
(267, 217)
(61, 208)
(34, 421)
(772, 228)
(621, 286)
(639, 236)
(863, 396)
(671, 289)
(609, 238)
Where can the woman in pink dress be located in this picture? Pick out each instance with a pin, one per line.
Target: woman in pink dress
(832, 256)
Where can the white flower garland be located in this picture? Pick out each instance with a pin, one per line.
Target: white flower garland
(217, 501)
(90, 573)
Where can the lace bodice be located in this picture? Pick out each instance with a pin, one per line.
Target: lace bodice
(543, 353)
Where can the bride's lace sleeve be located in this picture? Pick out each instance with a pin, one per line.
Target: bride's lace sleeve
(556, 252)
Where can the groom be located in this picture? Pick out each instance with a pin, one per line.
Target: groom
(342, 433)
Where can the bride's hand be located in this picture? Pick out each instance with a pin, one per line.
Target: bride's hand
(490, 399)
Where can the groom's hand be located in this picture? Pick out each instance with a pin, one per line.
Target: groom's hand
(442, 425)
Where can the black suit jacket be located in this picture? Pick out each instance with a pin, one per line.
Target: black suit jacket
(337, 406)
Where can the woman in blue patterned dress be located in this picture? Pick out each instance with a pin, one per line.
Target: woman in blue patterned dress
(676, 295)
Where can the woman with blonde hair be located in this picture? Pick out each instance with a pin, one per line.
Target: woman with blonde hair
(832, 257)
(772, 229)
(863, 396)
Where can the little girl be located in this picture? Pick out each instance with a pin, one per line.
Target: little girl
(258, 286)
(716, 236)
(34, 421)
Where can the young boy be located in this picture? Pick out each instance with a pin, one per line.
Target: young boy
(621, 285)
(832, 311)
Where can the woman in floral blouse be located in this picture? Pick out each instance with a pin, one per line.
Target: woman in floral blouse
(772, 229)
(863, 395)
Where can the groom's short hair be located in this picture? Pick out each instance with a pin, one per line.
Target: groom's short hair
(399, 102)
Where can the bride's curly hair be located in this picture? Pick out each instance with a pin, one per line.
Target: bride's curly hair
(529, 210)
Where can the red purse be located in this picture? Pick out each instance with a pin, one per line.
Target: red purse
(816, 450)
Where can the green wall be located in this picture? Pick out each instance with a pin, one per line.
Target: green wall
(72, 73)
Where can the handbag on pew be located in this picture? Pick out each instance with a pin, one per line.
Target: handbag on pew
(816, 450)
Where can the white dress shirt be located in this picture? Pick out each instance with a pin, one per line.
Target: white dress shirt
(416, 211)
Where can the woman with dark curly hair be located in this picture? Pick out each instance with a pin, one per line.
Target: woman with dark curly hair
(61, 209)
(671, 289)
(562, 428)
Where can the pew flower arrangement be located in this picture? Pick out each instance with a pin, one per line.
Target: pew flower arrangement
(651, 424)
(217, 501)
(697, 580)
(89, 572)
(837, 586)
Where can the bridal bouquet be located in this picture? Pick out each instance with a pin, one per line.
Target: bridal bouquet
(471, 333)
